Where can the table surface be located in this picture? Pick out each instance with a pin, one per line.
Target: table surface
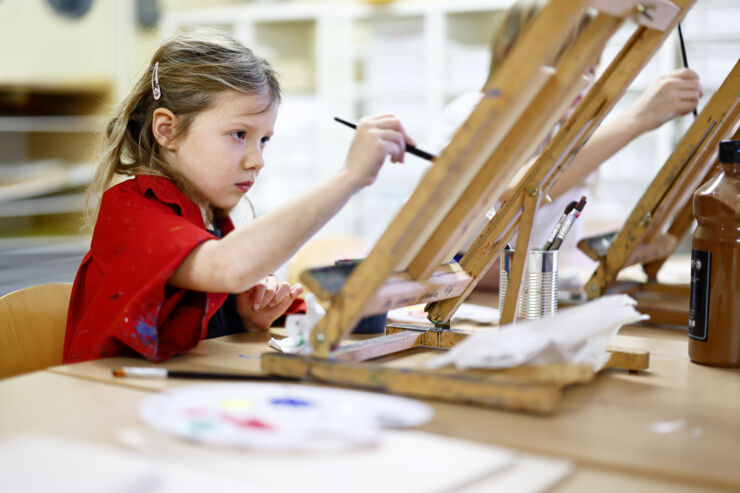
(675, 427)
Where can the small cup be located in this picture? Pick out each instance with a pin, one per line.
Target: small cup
(539, 294)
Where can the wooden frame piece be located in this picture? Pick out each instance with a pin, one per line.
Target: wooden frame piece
(521, 102)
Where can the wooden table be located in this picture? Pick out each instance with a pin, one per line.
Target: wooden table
(673, 428)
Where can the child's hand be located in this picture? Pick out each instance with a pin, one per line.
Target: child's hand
(675, 93)
(375, 138)
(263, 303)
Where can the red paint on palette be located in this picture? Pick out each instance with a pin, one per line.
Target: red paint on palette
(195, 412)
(247, 422)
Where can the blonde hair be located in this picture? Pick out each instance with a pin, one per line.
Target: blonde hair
(191, 69)
(513, 22)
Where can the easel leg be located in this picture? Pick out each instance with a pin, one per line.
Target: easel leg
(530, 203)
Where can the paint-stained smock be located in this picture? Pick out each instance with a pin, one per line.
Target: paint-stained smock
(121, 302)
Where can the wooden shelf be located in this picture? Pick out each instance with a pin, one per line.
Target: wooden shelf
(52, 123)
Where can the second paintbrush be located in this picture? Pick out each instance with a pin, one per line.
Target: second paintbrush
(410, 149)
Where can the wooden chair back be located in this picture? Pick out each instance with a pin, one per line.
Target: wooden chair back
(32, 326)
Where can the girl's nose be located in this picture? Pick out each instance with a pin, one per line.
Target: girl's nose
(253, 160)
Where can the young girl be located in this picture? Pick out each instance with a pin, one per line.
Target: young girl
(164, 253)
(676, 93)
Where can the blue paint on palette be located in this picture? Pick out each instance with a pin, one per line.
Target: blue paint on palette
(290, 401)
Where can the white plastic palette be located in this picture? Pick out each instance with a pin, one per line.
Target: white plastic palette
(279, 417)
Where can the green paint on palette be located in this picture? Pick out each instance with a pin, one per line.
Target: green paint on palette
(201, 425)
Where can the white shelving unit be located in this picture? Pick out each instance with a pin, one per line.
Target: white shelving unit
(410, 58)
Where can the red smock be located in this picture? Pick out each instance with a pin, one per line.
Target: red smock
(121, 302)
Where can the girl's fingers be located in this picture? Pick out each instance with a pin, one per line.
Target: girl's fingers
(273, 285)
(395, 151)
(687, 85)
(390, 122)
(686, 73)
(688, 95)
(394, 138)
(258, 293)
(395, 124)
(264, 291)
(281, 293)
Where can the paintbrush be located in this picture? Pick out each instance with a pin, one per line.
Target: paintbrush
(683, 56)
(158, 372)
(572, 216)
(559, 224)
(410, 149)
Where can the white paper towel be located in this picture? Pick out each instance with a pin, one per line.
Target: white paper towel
(577, 335)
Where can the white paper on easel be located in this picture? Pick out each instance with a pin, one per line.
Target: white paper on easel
(577, 335)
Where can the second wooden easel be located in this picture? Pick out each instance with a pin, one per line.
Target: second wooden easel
(663, 214)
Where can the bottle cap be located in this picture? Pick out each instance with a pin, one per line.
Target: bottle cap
(729, 151)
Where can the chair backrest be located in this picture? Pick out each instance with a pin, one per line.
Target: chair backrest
(32, 326)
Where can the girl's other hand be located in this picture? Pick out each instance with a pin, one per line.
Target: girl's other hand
(375, 138)
(263, 303)
(670, 95)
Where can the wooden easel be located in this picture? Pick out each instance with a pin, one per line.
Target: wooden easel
(522, 101)
(664, 213)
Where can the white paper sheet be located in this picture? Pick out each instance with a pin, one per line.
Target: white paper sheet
(467, 312)
(42, 463)
(408, 461)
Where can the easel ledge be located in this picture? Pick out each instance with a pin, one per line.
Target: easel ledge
(535, 389)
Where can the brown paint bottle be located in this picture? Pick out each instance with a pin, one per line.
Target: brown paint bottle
(714, 314)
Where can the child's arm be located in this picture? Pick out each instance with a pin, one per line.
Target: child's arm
(247, 254)
(673, 94)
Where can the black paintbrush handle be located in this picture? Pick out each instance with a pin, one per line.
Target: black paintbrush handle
(683, 56)
(410, 149)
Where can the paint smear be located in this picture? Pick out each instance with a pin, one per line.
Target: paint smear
(291, 402)
(235, 403)
(251, 423)
(195, 412)
(201, 425)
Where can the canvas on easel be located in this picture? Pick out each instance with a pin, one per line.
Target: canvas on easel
(409, 264)
(663, 215)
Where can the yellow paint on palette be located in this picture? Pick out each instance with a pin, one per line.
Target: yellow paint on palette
(235, 404)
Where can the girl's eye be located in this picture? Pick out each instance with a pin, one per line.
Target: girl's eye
(264, 141)
(239, 135)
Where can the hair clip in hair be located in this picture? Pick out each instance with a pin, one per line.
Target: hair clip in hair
(156, 91)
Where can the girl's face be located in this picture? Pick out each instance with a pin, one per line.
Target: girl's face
(221, 153)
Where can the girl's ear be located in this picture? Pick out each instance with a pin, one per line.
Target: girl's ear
(164, 124)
